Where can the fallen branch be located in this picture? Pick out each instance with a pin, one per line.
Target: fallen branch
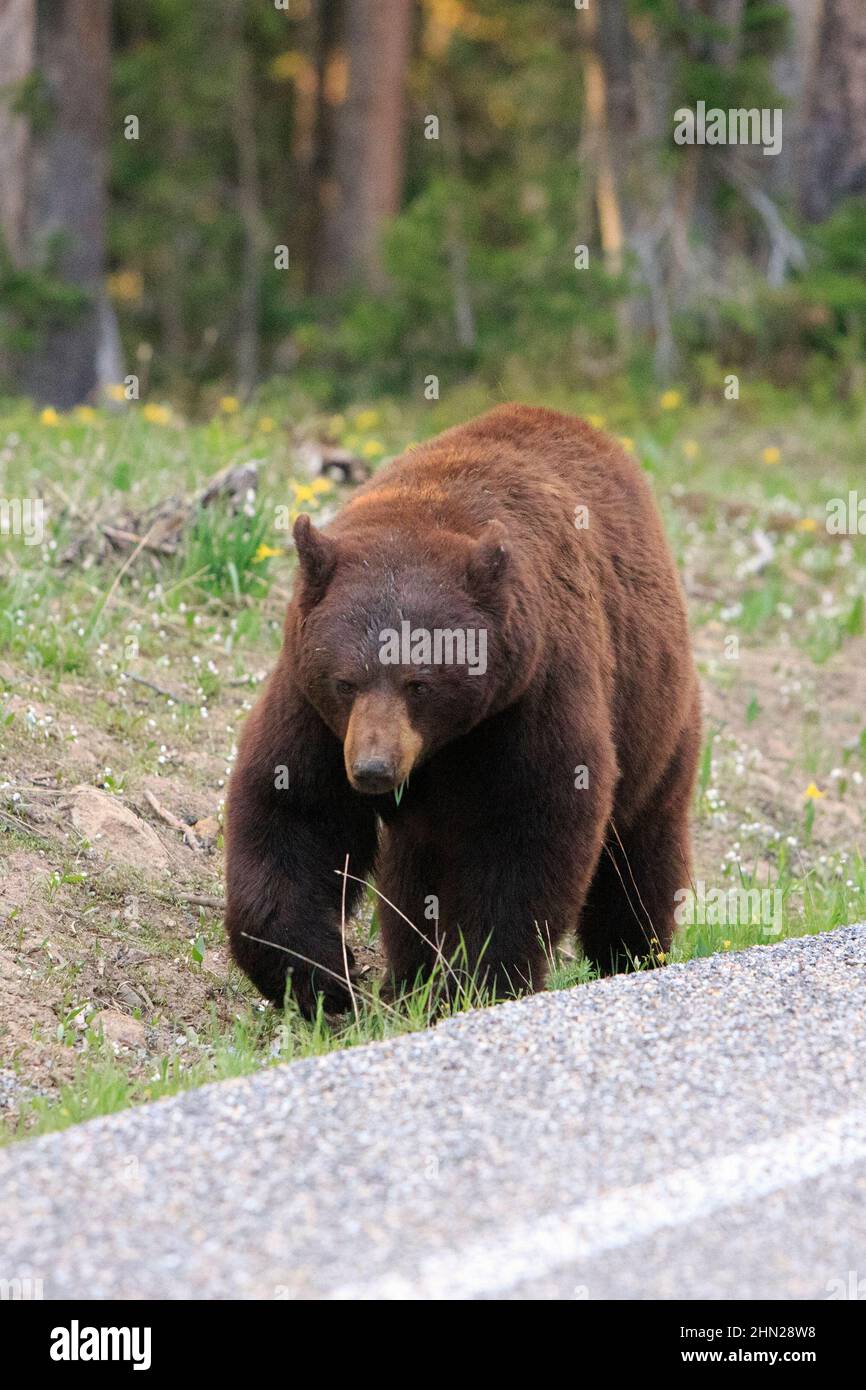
(158, 689)
(123, 539)
(234, 481)
(21, 827)
(201, 900)
(165, 815)
(786, 249)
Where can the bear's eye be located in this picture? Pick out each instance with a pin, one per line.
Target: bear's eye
(344, 687)
(415, 688)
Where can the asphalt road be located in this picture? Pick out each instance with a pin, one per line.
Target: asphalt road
(697, 1132)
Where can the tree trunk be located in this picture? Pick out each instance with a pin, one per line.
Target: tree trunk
(63, 222)
(834, 150)
(362, 187)
(17, 29)
(609, 113)
(248, 200)
(330, 16)
(17, 22)
(725, 47)
(791, 69)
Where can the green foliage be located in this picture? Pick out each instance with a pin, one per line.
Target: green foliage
(220, 552)
(30, 98)
(174, 218)
(481, 276)
(520, 284)
(30, 300)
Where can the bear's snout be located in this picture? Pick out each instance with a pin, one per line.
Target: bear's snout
(373, 775)
(381, 747)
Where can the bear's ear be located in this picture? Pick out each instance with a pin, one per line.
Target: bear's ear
(317, 559)
(487, 564)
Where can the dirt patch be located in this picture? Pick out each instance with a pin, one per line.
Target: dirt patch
(98, 944)
(783, 724)
(114, 831)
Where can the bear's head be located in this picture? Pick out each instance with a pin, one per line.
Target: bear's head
(399, 646)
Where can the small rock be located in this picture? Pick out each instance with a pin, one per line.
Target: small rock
(114, 831)
(120, 1028)
(207, 829)
(128, 996)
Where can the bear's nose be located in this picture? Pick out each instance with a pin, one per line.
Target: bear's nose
(373, 774)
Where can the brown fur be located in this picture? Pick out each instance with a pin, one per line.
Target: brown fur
(588, 664)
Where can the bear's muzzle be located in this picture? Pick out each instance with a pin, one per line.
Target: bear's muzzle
(381, 747)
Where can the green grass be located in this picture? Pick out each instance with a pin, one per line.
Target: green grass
(811, 901)
(56, 617)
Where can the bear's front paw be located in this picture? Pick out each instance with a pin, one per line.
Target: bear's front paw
(307, 982)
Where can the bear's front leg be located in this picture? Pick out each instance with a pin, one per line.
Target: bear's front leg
(494, 858)
(517, 893)
(292, 820)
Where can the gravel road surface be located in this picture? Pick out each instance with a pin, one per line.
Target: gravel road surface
(695, 1132)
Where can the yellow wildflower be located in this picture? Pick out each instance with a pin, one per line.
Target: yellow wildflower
(597, 421)
(670, 400)
(85, 413)
(771, 454)
(286, 66)
(807, 523)
(691, 448)
(320, 485)
(297, 68)
(303, 492)
(367, 420)
(813, 793)
(627, 442)
(156, 414)
(265, 552)
(49, 416)
(372, 449)
(266, 424)
(126, 286)
(229, 405)
(116, 391)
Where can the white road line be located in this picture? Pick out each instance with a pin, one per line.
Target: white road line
(501, 1260)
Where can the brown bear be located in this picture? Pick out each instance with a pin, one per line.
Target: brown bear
(486, 699)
